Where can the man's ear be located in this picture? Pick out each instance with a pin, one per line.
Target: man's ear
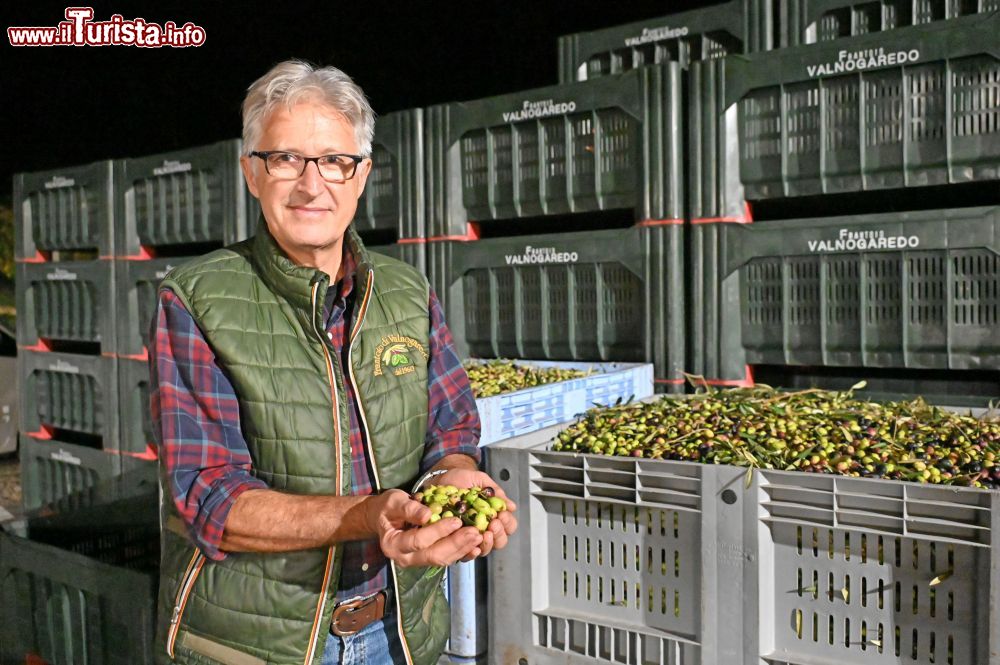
(246, 165)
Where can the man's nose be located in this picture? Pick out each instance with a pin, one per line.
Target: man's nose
(311, 182)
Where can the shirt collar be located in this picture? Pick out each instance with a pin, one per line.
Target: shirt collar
(349, 266)
(345, 286)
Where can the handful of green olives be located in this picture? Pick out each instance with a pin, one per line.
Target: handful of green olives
(475, 506)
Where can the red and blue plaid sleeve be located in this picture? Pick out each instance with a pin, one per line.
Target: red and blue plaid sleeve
(196, 422)
(452, 421)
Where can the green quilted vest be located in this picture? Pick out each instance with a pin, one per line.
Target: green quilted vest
(262, 316)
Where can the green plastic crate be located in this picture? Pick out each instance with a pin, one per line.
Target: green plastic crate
(893, 291)
(193, 197)
(136, 423)
(440, 273)
(611, 143)
(52, 469)
(811, 21)
(412, 253)
(715, 351)
(137, 284)
(598, 296)
(684, 37)
(912, 107)
(62, 392)
(67, 301)
(715, 192)
(82, 596)
(67, 209)
(393, 199)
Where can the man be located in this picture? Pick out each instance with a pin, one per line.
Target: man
(287, 419)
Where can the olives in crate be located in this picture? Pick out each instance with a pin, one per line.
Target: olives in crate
(813, 430)
(474, 506)
(503, 376)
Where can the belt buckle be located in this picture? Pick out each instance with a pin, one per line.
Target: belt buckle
(351, 607)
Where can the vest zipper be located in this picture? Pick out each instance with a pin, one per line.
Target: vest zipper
(180, 602)
(371, 452)
(321, 606)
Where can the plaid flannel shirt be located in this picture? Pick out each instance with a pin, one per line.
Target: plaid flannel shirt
(208, 464)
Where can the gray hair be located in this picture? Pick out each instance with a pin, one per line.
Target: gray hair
(294, 81)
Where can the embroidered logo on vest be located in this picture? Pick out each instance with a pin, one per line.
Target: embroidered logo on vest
(393, 355)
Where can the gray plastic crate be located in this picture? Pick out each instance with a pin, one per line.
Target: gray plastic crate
(859, 571)
(795, 568)
(68, 393)
(811, 21)
(906, 108)
(52, 469)
(611, 143)
(67, 301)
(138, 282)
(520, 412)
(699, 34)
(616, 560)
(193, 197)
(68, 209)
(599, 296)
(136, 424)
(393, 199)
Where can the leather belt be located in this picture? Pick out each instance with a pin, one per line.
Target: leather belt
(352, 616)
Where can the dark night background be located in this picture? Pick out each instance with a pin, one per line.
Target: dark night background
(61, 106)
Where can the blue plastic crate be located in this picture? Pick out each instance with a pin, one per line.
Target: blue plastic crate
(524, 411)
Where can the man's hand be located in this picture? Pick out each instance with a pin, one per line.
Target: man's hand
(501, 527)
(439, 544)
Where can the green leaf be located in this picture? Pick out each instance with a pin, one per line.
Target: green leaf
(941, 578)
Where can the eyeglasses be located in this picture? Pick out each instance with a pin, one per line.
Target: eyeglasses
(289, 165)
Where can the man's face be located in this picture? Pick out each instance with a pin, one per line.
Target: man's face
(308, 213)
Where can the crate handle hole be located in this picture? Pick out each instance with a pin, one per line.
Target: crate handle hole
(728, 497)
(505, 475)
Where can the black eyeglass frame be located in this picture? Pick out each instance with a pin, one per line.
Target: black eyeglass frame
(264, 154)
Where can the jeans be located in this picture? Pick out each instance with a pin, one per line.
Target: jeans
(377, 644)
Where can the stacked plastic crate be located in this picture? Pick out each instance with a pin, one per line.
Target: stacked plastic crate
(698, 41)
(171, 207)
(899, 133)
(599, 165)
(93, 242)
(66, 329)
(737, 151)
(902, 130)
(390, 216)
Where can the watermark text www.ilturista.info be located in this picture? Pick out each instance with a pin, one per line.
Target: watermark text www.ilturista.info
(79, 29)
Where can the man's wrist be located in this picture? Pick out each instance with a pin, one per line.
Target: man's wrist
(422, 480)
(456, 461)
